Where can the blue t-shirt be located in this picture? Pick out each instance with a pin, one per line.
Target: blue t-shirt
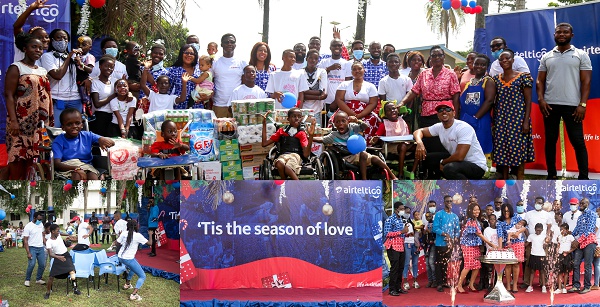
(153, 215)
(76, 148)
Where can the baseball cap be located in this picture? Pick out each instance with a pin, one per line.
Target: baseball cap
(574, 201)
(445, 104)
(76, 218)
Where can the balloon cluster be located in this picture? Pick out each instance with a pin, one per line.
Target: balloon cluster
(139, 183)
(68, 185)
(33, 183)
(501, 183)
(469, 7)
(174, 183)
(28, 209)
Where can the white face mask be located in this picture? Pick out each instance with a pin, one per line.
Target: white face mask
(538, 207)
(574, 208)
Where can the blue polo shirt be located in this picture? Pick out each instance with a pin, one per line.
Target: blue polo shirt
(79, 147)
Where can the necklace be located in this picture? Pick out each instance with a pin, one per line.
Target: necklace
(475, 81)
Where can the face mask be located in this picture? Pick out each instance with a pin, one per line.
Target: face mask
(111, 51)
(496, 54)
(60, 46)
(38, 222)
(358, 54)
(432, 209)
(158, 66)
(574, 207)
(196, 46)
(75, 225)
(405, 215)
(538, 207)
(520, 209)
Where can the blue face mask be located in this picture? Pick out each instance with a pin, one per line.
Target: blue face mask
(496, 54)
(60, 46)
(432, 209)
(520, 209)
(38, 222)
(358, 54)
(111, 51)
(196, 46)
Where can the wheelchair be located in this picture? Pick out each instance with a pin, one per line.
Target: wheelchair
(311, 167)
(336, 168)
(43, 166)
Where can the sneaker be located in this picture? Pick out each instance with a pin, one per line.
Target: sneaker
(544, 289)
(406, 286)
(76, 291)
(46, 296)
(558, 291)
(40, 282)
(529, 289)
(126, 286)
(27, 283)
(416, 285)
(595, 288)
(135, 297)
(584, 291)
(564, 290)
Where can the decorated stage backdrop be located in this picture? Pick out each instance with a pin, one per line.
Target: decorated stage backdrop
(531, 34)
(166, 197)
(264, 234)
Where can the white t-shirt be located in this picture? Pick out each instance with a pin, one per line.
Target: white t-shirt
(571, 219)
(65, 88)
(460, 133)
(537, 244)
(335, 77)
(104, 90)
(57, 246)
(82, 230)
(519, 65)
(367, 90)
(293, 81)
(411, 239)
(319, 82)
(123, 108)
(565, 243)
(227, 76)
(35, 234)
(394, 89)
(533, 217)
(405, 71)
(118, 72)
(243, 92)
(120, 226)
(160, 102)
(514, 230)
(491, 234)
(299, 66)
(497, 214)
(129, 253)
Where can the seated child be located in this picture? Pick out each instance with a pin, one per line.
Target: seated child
(8, 238)
(205, 85)
(163, 100)
(516, 232)
(123, 109)
(73, 149)
(346, 127)
(63, 263)
(394, 125)
(293, 142)
(87, 62)
(170, 147)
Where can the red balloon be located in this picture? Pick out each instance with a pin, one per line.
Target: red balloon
(97, 3)
(33, 183)
(28, 209)
(279, 182)
(468, 10)
(455, 4)
(500, 184)
(140, 182)
(29, 206)
(67, 187)
(478, 9)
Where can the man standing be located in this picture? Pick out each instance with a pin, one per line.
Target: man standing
(497, 45)
(300, 51)
(228, 73)
(375, 69)
(152, 224)
(447, 228)
(497, 206)
(585, 234)
(94, 223)
(573, 214)
(34, 242)
(393, 233)
(337, 70)
(563, 87)
(466, 159)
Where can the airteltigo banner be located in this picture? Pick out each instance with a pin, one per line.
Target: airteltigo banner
(531, 35)
(275, 234)
(56, 14)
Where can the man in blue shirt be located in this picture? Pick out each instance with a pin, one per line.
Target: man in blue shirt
(393, 236)
(585, 234)
(447, 229)
(152, 224)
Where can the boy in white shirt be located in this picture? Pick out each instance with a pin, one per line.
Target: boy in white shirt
(248, 89)
(287, 80)
(162, 100)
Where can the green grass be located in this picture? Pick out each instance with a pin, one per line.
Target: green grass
(13, 265)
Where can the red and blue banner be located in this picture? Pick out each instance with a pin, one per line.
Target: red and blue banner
(258, 234)
(166, 197)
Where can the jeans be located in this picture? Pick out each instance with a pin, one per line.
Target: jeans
(587, 255)
(596, 271)
(134, 267)
(442, 258)
(430, 263)
(65, 104)
(575, 133)
(411, 253)
(396, 260)
(39, 254)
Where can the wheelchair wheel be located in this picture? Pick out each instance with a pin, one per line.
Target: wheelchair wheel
(264, 172)
(330, 165)
(319, 169)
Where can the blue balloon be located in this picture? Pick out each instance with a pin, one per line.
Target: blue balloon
(356, 144)
(511, 182)
(472, 4)
(176, 184)
(50, 207)
(446, 5)
(289, 100)
(69, 181)
(103, 190)
(2, 214)
(137, 185)
(12, 196)
(81, 2)
(464, 2)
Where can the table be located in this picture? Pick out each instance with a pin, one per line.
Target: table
(176, 161)
(499, 295)
(395, 140)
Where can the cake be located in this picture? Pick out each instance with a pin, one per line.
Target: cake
(507, 254)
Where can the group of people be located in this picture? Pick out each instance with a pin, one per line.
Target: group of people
(11, 236)
(543, 240)
(51, 84)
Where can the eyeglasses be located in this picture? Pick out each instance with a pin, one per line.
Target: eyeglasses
(189, 53)
(498, 45)
(437, 55)
(444, 109)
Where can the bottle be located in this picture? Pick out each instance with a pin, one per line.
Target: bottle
(146, 143)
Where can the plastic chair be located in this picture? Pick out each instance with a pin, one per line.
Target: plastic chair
(84, 267)
(108, 266)
(56, 277)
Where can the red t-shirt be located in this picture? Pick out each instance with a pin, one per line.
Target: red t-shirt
(167, 148)
(300, 135)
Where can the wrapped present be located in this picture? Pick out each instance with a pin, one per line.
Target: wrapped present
(277, 281)
(123, 159)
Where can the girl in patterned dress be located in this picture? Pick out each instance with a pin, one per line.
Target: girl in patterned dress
(509, 219)
(511, 133)
(28, 103)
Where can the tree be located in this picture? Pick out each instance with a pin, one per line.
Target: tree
(22, 191)
(264, 4)
(361, 20)
(520, 5)
(566, 2)
(442, 21)
(505, 4)
(480, 18)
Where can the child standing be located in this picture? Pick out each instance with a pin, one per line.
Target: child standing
(316, 78)
(63, 263)
(394, 86)
(565, 258)
(491, 234)
(212, 49)
(103, 91)
(248, 89)
(287, 80)
(538, 256)
(204, 83)
(83, 71)
(162, 100)
(170, 147)
(123, 111)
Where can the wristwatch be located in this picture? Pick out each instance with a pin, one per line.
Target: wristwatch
(442, 162)
(583, 104)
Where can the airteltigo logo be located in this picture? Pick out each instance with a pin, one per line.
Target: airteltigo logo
(374, 192)
(48, 13)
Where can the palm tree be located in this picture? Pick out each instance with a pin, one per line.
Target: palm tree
(264, 4)
(361, 20)
(442, 21)
(520, 4)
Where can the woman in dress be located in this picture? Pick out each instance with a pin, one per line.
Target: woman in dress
(476, 101)
(187, 61)
(513, 143)
(359, 98)
(28, 104)
(260, 57)
(415, 61)
(509, 219)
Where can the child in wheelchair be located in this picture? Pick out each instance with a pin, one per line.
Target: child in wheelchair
(394, 125)
(293, 141)
(169, 147)
(73, 149)
(347, 126)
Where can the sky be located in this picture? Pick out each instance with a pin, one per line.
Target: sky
(399, 22)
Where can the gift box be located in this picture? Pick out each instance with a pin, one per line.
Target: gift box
(281, 280)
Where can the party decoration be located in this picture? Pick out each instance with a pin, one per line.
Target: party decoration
(32, 183)
(468, 10)
(356, 144)
(170, 181)
(455, 4)
(279, 182)
(457, 199)
(28, 210)
(511, 182)
(69, 181)
(176, 184)
(289, 100)
(103, 190)
(228, 197)
(97, 3)
(500, 184)
(29, 206)
(446, 5)
(472, 4)
(67, 187)
(2, 214)
(140, 182)
(12, 196)
(478, 9)
(84, 22)
(327, 209)
(464, 3)
(81, 2)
